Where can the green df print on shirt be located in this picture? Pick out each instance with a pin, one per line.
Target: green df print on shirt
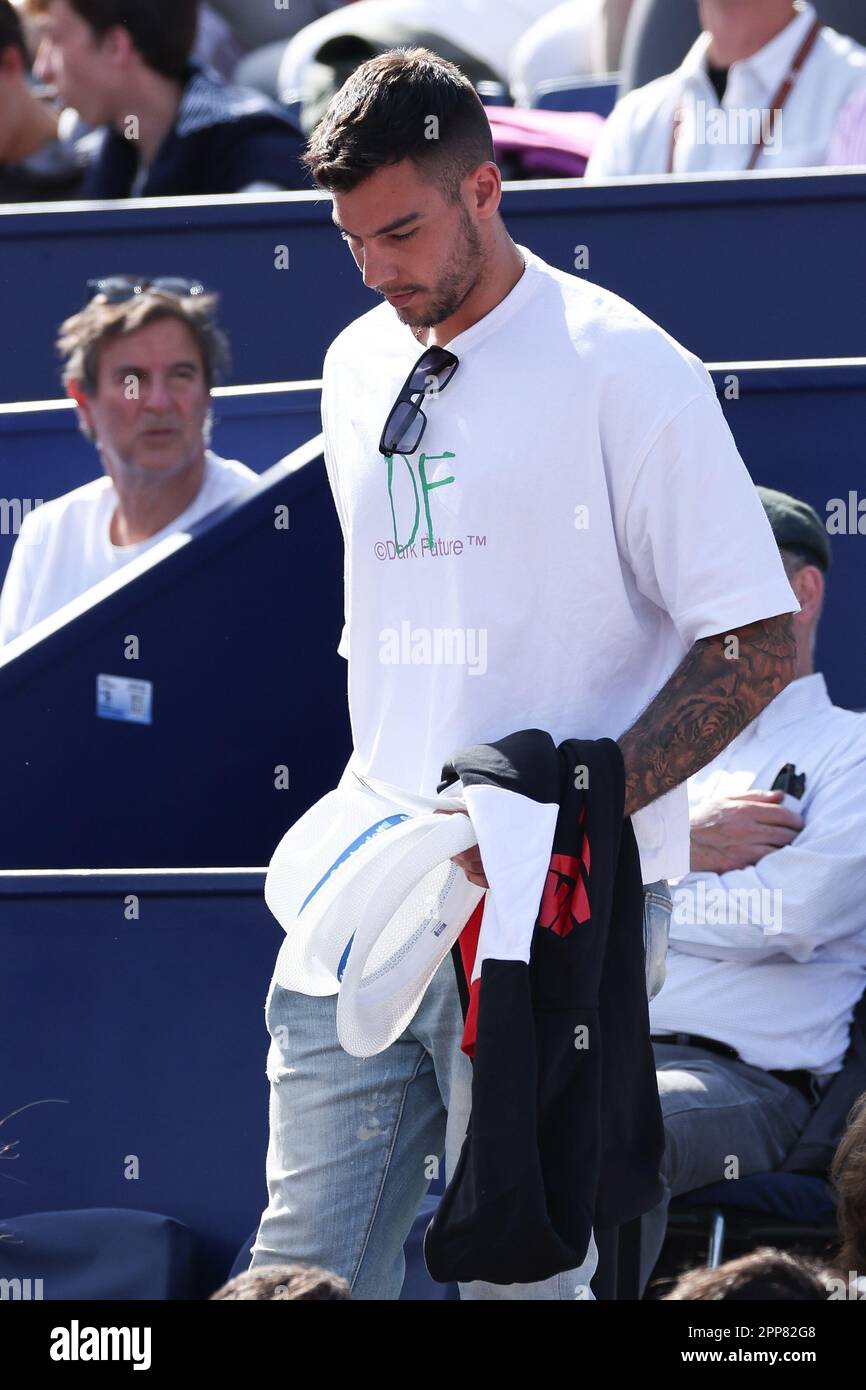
(426, 488)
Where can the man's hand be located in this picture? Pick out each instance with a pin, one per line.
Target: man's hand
(470, 859)
(734, 832)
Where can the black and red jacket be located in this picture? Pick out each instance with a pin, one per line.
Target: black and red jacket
(566, 1131)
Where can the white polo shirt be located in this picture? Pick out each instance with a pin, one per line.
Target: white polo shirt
(636, 138)
(577, 515)
(772, 959)
(64, 546)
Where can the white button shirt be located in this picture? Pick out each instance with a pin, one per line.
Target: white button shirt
(636, 139)
(772, 959)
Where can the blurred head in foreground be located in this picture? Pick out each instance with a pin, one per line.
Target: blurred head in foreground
(295, 1282)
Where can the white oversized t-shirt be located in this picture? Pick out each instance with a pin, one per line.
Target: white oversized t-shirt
(64, 546)
(576, 516)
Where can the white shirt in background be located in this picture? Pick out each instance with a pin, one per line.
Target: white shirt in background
(636, 138)
(772, 959)
(576, 517)
(848, 145)
(64, 548)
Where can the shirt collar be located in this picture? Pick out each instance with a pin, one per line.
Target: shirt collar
(805, 696)
(770, 64)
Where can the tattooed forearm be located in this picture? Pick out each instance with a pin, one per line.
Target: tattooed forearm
(720, 686)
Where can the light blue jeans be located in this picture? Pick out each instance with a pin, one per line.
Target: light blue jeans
(354, 1143)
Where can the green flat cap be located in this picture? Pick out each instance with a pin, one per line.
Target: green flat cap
(796, 524)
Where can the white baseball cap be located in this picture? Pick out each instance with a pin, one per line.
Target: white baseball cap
(364, 887)
(409, 907)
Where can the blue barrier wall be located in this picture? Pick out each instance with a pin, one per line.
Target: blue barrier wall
(737, 268)
(138, 1037)
(803, 430)
(43, 453)
(237, 628)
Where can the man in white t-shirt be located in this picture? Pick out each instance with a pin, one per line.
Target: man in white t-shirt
(715, 112)
(140, 360)
(572, 544)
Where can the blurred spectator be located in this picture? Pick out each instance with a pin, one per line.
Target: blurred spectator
(140, 360)
(298, 1283)
(34, 163)
(767, 953)
(848, 1176)
(172, 128)
(716, 111)
(762, 1275)
(477, 35)
(848, 145)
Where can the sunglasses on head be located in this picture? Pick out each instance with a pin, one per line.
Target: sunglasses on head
(406, 421)
(117, 288)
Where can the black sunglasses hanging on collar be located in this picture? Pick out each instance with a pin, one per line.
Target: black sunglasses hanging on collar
(406, 421)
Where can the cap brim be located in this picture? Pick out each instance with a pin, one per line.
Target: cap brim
(405, 925)
(308, 874)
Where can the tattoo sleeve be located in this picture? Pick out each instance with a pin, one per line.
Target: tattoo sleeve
(719, 687)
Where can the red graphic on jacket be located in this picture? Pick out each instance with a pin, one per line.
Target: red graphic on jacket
(565, 902)
(564, 906)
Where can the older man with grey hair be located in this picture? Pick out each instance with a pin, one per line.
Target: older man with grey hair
(140, 360)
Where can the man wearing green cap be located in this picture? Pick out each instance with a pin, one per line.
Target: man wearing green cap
(767, 947)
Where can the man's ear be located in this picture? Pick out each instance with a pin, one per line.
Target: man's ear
(76, 391)
(811, 592)
(117, 44)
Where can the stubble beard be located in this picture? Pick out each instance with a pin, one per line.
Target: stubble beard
(456, 284)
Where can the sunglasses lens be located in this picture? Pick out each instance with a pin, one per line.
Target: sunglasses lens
(175, 285)
(404, 429)
(433, 374)
(114, 287)
(406, 423)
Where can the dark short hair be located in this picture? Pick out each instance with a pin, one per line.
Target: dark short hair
(163, 31)
(296, 1283)
(763, 1274)
(11, 33)
(405, 104)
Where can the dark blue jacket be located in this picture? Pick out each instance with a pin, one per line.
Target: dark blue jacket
(224, 138)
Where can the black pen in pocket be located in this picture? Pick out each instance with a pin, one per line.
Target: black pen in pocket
(790, 781)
